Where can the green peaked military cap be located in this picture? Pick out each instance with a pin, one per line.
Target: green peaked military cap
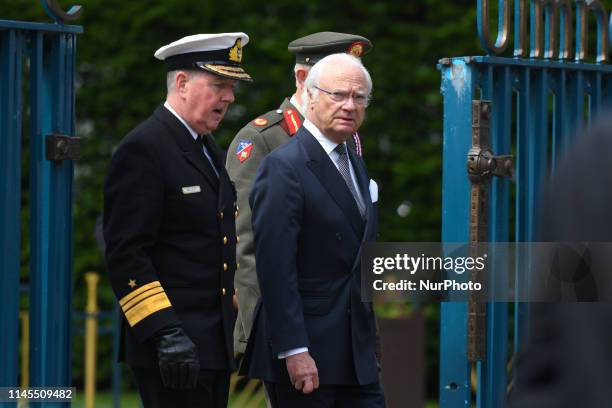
(310, 49)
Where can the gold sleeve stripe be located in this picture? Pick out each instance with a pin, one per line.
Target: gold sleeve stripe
(147, 307)
(141, 298)
(138, 291)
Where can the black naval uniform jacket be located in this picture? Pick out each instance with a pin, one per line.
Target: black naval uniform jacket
(169, 226)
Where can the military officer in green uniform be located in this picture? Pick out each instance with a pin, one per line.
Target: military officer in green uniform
(258, 138)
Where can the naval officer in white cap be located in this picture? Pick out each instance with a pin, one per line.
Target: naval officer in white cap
(169, 227)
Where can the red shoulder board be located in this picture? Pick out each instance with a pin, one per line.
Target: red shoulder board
(293, 120)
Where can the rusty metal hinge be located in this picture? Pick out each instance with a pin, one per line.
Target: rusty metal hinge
(62, 147)
(482, 164)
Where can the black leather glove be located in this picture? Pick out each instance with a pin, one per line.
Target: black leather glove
(178, 358)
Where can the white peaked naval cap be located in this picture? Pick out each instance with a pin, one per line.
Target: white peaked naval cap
(219, 54)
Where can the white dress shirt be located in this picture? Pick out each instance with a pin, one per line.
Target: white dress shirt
(193, 133)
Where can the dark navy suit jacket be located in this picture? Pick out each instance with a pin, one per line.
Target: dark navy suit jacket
(308, 238)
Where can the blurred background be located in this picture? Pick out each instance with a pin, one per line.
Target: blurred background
(119, 83)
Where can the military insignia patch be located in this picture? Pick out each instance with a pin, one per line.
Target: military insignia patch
(355, 49)
(235, 53)
(293, 121)
(260, 122)
(243, 151)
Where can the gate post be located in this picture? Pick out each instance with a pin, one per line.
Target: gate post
(11, 43)
(458, 88)
(50, 49)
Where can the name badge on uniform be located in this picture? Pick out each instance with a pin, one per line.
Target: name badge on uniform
(191, 189)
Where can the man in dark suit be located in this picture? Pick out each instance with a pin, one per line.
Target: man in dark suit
(169, 226)
(313, 339)
(258, 138)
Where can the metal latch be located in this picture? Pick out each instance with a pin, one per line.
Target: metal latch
(482, 165)
(62, 147)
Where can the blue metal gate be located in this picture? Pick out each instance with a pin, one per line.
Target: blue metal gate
(47, 53)
(537, 98)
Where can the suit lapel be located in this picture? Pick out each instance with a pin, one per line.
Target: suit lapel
(363, 181)
(326, 172)
(191, 151)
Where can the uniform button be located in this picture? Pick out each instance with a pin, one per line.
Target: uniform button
(223, 291)
(338, 236)
(237, 239)
(237, 213)
(220, 215)
(237, 266)
(224, 266)
(224, 240)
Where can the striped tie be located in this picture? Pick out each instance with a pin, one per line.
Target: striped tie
(343, 167)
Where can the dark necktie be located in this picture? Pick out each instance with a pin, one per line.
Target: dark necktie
(210, 158)
(343, 167)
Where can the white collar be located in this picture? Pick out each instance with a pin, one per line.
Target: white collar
(298, 105)
(326, 144)
(194, 134)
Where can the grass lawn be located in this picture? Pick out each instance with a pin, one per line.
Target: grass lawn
(104, 399)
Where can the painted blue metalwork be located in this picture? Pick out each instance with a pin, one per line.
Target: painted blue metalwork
(553, 98)
(26, 26)
(458, 88)
(482, 16)
(51, 268)
(496, 84)
(11, 44)
(58, 14)
(51, 52)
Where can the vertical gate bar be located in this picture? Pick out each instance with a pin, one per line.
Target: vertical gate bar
(39, 211)
(499, 216)
(52, 294)
(522, 234)
(61, 206)
(496, 86)
(607, 90)
(11, 44)
(458, 88)
(483, 376)
(533, 166)
(561, 117)
(596, 94)
(576, 87)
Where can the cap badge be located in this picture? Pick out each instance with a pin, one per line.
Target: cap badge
(356, 49)
(260, 122)
(243, 150)
(235, 53)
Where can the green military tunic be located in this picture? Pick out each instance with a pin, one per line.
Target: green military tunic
(264, 137)
(249, 147)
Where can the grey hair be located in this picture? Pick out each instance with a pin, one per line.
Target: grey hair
(315, 73)
(296, 68)
(171, 76)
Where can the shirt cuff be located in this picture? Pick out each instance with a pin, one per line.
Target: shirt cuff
(291, 352)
